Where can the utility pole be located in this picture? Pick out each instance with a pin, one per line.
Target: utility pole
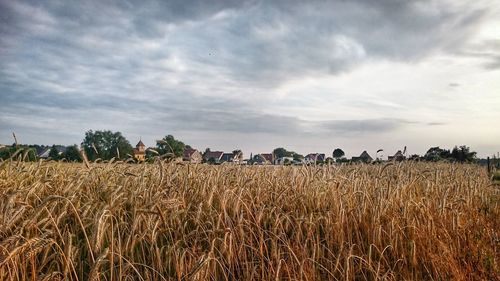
(488, 164)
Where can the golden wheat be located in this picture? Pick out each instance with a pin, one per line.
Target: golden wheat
(162, 221)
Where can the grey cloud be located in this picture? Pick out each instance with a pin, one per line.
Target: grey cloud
(257, 44)
(355, 127)
(202, 65)
(493, 63)
(436, 123)
(487, 50)
(189, 113)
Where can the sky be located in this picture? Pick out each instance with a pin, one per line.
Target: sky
(309, 76)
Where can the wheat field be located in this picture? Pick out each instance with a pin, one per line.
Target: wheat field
(164, 221)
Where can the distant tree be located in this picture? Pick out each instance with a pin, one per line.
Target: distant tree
(54, 153)
(436, 154)
(26, 152)
(281, 152)
(414, 157)
(105, 145)
(338, 153)
(30, 153)
(298, 157)
(342, 160)
(329, 160)
(151, 154)
(170, 145)
(72, 153)
(6, 152)
(463, 154)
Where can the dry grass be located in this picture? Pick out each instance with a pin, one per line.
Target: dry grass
(116, 221)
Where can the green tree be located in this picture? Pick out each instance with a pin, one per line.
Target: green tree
(338, 153)
(106, 145)
(463, 154)
(281, 152)
(7, 152)
(298, 157)
(54, 153)
(170, 145)
(436, 153)
(72, 153)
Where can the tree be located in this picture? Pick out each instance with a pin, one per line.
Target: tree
(72, 153)
(298, 157)
(338, 153)
(463, 154)
(7, 152)
(281, 152)
(106, 145)
(436, 154)
(170, 145)
(54, 153)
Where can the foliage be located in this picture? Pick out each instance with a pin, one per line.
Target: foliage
(170, 145)
(282, 152)
(458, 154)
(54, 153)
(338, 153)
(25, 152)
(463, 154)
(7, 152)
(298, 157)
(106, 145)
(72, 154)
(436, 154)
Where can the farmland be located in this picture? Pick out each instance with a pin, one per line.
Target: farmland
(163, 221)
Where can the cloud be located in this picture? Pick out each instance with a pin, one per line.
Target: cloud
(436, 123)
(220, 66)
(356, 127)
(254, 44)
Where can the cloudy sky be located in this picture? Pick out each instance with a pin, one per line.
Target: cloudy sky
(306, 75)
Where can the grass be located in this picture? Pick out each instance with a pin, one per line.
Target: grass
(115, 221)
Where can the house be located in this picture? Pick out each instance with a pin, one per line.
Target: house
(398, 157)
(313, 158)
(192, 155)
(213, 156)
(140, 151)
(364, 157)
(269, 157)
(263, 158)
(283, 161)
(44, 153)
(227, 157)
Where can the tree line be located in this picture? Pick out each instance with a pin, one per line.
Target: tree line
(105, 145)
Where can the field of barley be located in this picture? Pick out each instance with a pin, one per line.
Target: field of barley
(164, 221)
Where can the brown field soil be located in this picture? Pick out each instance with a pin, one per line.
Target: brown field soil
(115, 221)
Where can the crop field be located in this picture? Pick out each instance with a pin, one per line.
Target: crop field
(164, 221)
